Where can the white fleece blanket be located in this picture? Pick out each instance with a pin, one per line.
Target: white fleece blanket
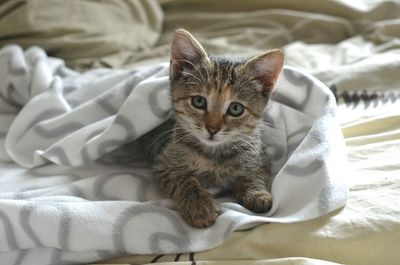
(74, 188)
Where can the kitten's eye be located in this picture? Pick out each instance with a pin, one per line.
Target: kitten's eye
(235, 109)
(199, 102)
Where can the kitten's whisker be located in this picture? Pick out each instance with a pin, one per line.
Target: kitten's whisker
(180, 135)
(266, 132)
(258, 141)
(249, 146)
(193, 83)
(272, 136)
(247, 143)
(253, 143)
(192, 75)
(271, 125)
(161, 137)
(195, 67)
(180, 138)
(250, 137)
(198, 70)
(238, 150)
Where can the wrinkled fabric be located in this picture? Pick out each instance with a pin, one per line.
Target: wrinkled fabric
(77, 185)
(84, 33)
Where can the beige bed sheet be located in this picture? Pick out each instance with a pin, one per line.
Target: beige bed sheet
(84, 33)
(366, 231)
(354, 49)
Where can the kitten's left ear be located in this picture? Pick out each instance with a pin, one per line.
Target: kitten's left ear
(265, 68)
(186, 52)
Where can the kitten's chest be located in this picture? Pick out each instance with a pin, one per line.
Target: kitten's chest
(210, 170)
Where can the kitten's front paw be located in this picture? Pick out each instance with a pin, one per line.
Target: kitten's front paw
(199, 210)
(256, 201)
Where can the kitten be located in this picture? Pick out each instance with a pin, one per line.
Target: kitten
(218, 107)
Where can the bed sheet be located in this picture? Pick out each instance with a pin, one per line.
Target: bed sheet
(352, 47)
(366, 231)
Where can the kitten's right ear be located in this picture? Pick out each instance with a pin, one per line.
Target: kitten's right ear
(186, 52)
(265, 69)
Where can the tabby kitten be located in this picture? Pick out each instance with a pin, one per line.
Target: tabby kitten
(218, 107)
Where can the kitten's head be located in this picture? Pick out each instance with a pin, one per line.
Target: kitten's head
(218, 100)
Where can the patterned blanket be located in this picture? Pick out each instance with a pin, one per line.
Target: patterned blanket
(75, 188)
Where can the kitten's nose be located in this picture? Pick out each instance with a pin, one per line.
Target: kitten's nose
(212, 130)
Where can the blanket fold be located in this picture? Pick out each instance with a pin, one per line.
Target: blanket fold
(77, 188)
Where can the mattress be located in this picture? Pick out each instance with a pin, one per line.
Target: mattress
(365, 231)
(353, 48)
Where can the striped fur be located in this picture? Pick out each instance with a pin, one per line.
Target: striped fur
(193, 158)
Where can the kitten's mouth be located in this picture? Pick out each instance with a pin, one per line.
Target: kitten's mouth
(210, 140)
